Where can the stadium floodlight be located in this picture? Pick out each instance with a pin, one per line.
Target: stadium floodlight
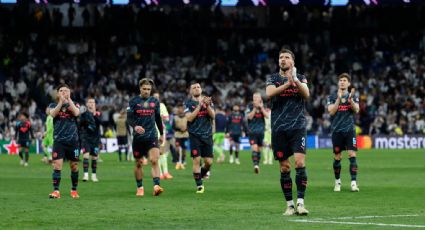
(186, 1)
(120, 2)
(229, 2)
(339, 2)
(8, 1)
(294, 2)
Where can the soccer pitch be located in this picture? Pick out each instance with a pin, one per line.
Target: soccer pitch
(392, 196)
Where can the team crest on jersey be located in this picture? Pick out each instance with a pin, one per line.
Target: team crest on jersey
(63, 109)
(152, 104)
(343, 100)
(145, 104)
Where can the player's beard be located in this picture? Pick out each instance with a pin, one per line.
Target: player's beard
(284, 68)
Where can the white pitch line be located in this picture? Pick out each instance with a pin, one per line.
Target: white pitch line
(358, 223)
(370, 217)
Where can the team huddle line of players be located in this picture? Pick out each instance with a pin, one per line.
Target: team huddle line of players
(287, 92)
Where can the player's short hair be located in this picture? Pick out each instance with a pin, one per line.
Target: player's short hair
(146, 81)
(26, 115)
(194, 82)
(90, 98)
(62, 85)
(284, 50)
(345, 75)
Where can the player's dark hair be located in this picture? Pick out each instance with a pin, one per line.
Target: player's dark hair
(345, 75)
(146, 81)
(284, 50)
(89, 98)
(62, 85)
(26, 115)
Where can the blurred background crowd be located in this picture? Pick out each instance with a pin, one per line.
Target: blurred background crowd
(103, 51)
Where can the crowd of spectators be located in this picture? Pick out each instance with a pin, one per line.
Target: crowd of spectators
(230, 50)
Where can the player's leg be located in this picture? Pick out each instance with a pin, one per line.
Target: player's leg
(255, 156)
(57, 163)
(208, 157)
(353, 170)
(27, 153)
(164, 156)
(85, 149)
(154, 155)
(237, 142)
(195, 149)
(231, 146)
(301, 182)
(298, 146)
(337, 149)
(73, 155)
(94, 152)
(286, 183)
(138, 175)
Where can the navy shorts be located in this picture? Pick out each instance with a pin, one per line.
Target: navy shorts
(344, 141)
(90, 148)
(235, 138)
(200, 147)
(286, 143)
(256, 139)
(141, 148)
(66, 151)
(122, 140)
(24, 143)
(181, 142)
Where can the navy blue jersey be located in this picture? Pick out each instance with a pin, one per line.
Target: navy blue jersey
(288, 107)
(145, 112)
(65, 125)
(201, 126)
(257, 124)
(343, 120)
(90, 127)
(23, 131)
(235, 123)
(220, 123)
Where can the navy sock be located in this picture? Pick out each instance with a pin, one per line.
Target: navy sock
(256, 156)
(236, 154)
(337, 169)
(93, 165)
(286, 185)
(56, 176)
(139, 183)
(353, 168)
(301, 181)
(74, 180)
(156, 181)
(198, 179)
(204, 171)
(27, 156)
(86, 165)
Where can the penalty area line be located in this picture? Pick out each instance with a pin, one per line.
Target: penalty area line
(357, 223)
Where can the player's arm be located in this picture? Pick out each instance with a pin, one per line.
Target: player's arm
(265, 113)
(211, 111)
(74, 109)
(333, 105)
(190, 116)
(251, 113)
(272, 90)
(31, 132)
(353, 101)
(16, 131)
(131, 119)
(158, 121)
(305, 93)
(55, 111)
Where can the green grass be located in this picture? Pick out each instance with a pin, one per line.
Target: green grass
(391, 183)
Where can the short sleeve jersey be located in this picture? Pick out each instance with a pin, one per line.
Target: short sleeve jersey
(344, 118)
(201, 126)
(256, 125)
(287, 108)
(65, 125)
(142, 112)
